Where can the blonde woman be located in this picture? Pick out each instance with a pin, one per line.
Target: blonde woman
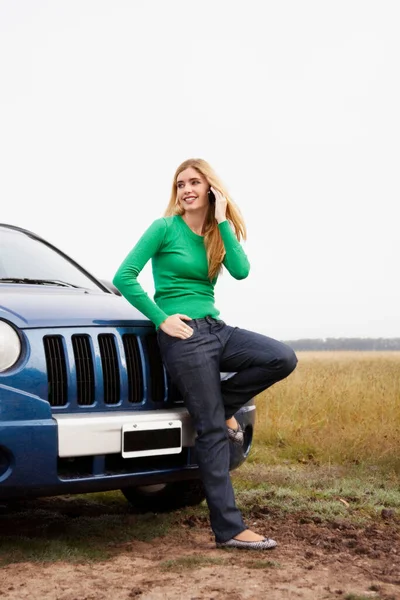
(199, 235)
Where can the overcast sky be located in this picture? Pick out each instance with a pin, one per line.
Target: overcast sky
(294, 103)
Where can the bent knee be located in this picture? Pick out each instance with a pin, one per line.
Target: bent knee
(288, 361)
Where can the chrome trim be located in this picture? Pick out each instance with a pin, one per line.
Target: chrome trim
(83, 434)
(247, 408)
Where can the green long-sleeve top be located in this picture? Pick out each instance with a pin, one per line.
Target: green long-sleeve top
(180, 270)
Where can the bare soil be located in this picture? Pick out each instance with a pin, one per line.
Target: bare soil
(314, 561)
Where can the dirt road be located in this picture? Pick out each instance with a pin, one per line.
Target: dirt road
(314, 561)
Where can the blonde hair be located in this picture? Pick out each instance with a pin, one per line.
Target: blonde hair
(212, 237)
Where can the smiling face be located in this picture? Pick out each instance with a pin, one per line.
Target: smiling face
(192, 190)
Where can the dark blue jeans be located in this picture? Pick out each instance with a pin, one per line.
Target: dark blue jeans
(194, 365)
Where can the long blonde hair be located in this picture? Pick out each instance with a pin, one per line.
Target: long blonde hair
(212, 237)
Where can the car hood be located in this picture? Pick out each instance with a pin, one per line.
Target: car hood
(29, 306)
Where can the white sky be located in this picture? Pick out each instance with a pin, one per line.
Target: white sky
(295, 105)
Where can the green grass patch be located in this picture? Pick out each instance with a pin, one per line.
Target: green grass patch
(262, 564)
(354, 493)
(192, 562)
(74, 528)
(197, 562)
(23, 549)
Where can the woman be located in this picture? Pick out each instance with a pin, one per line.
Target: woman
(199, 234)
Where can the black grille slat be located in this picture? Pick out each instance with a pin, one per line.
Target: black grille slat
(157, 383)
(84, 369)
(83, 363)
(109, 361)
(133, 367)
(56, 370)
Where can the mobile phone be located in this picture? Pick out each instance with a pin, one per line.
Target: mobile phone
(211, 196)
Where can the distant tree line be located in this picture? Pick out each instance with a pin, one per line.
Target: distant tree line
(345, 344)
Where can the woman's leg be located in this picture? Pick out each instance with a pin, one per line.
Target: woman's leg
(259, 362)
(194, 367)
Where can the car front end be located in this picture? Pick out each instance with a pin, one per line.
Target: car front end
(85, 402)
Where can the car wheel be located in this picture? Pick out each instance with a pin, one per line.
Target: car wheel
(165, 497)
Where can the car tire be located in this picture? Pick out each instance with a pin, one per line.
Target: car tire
(165, 497)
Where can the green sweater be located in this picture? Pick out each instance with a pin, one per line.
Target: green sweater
(180, 270)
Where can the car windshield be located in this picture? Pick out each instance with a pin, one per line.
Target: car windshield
(24, 259)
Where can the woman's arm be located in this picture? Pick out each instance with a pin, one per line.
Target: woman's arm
(126, 277)
(235, 259)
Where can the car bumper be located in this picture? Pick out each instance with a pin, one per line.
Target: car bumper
(80, 453)
(88, 434)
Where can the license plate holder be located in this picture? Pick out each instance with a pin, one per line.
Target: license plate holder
(151, 438)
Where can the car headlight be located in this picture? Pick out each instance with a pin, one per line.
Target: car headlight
(10, 346)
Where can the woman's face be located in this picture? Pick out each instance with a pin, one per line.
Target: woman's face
(192, 190)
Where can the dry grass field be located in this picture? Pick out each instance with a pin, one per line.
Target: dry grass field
(337, 407)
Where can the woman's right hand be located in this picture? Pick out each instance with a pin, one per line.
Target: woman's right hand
(175, 326)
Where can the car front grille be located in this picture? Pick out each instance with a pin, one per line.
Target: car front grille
(104, 370)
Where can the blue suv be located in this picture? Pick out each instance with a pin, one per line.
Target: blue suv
(85, 402)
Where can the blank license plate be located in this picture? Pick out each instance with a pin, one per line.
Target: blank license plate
(151, 438)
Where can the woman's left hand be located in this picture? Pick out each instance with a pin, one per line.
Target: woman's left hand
(220, 205)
